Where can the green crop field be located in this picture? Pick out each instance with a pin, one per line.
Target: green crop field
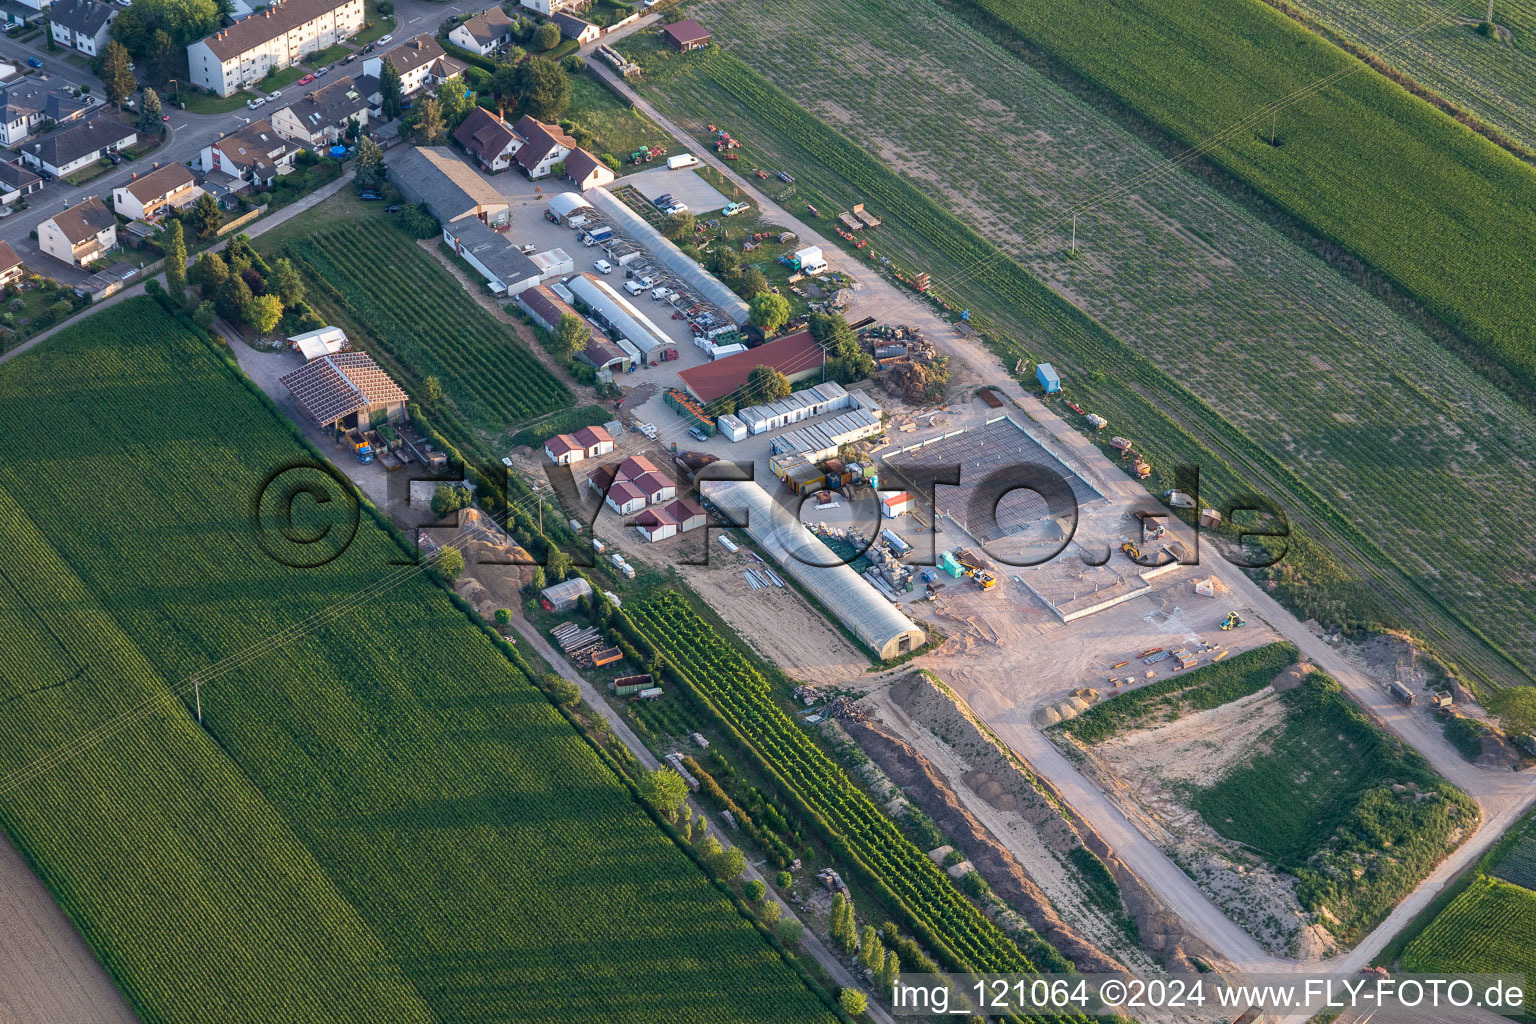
(1519, 864)
(1440, 46)
(418, 322)
(911, 886)
(1487, 929)
(1198, 690)
(1288, 375)
(1355, 814)
(380, 819)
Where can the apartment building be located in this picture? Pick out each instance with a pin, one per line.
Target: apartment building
(242, 54)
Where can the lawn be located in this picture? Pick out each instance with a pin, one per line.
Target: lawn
(327, 55)
(1329, 796)
(379, 818)
(418, 322)
(615, 127)
(1347, 427)
(199, 102)
(377, 26)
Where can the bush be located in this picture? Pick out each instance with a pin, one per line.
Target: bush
(1466, 736)
(756, 890)
(784, 880)
(503, 616)
(417, 221)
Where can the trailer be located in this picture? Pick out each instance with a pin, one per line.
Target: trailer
(1402, 694)
(601, 233)
(1046, 374)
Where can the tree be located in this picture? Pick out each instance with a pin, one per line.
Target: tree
(184, 21)
(871, 952)
(565, 692)
(756, 890)
(885, 975)
(175, 259)
(149, 112)
(503, 616)
(765, 384)
(571, 336)
(547, 36)
(392, 99)
(789, 932)
(285, 282)
(753, 283)
(771, 913)
(846, 359)
(506, 82)
(840, 927)
(769, 313)
(430, 126)
(455, 101)
(370, 160)
(263, 313)
(232, 298)
(545, 89)
(561, 565)
(431, 391)
(1516, 708)
(449, 564)
(116, 80)
(447, 500)
(784, 880)
(729, 863)
(663, 789)
(724, 262)
(207, 218)
(680, 226)
(209, 272)
(164, 60)
(852, 1001)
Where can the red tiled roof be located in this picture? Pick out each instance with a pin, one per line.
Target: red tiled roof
(686, 31)
(8, 258)
(589, 436)
(581, 163)
(560, 444)
(538, 139)
(485, 135)
(791, 354)
(654, 483)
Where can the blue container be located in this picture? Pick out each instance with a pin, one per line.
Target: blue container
(1045, 373)
(338, 152)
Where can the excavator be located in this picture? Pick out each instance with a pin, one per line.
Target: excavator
(1131, 551)
(1233, 621)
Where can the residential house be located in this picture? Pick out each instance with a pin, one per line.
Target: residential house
(572, 27)
(549, 8)
(632, 484)
(256, 154)
(420, 62)
(79, 235)
(688, 514)
(12, 269)
(654, 524)
(657, 487)
(564, 450)
(686, 35)
(624, 498)
(26, 104)
(281, 35)
(544, 145)
(81, 24)
(67, 150)
(484, 33)
(147, 196)
(595, 441)
(343, 390)
(16, 182)
(488, 138)
(586, 170)
(320, 117)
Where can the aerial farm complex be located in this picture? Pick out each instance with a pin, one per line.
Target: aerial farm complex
(697, 511)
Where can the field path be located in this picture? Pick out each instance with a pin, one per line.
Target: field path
(810, 943)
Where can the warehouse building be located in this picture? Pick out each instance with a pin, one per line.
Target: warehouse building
(849, 596)
(818, 441)
(802, 405)
(614, 311)
(344, 390)
(796, 356)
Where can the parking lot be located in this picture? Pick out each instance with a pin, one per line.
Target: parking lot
(685, 186)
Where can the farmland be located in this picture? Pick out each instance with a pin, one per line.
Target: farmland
(1289, 374)
(380, 819)
(1442, 49)
(416, 321)
(1487, 929)
(911, 886)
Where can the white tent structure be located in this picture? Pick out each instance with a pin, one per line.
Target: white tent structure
(322, 342)
(849, 596)
(566, 204)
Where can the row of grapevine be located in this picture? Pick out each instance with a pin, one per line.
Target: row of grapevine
(381, 819)
(1485, 930)
(417, 313)
(727, 683)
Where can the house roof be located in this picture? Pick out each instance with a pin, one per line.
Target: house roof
(791, 354)
(539, 140)
(344, 382)
(488, 26)
(494, 252)
(156, 183)
(414, 53)
(15, 176)
(655, 517)
(257, 146)
(654, 483)
(86, 219)
(571, 26)
(70, 144)
(601, 477)
(278, 19)
(899, 498)
(581, 163)
(86, 17)
(624, 492)
(635, 466)
(560, 444)
(483, 133)
(330, 105)
(31, 99)
(684, 509)
(686, 31)
(600, 351)
(8, 259)
(589, 436)
(448, 185)
(546, 305)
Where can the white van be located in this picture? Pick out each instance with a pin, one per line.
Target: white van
(603, 267)
(634, 287)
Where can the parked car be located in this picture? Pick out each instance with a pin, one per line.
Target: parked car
(588, 240)
(45, 174)
(275, 96)
(675, 209)
(663, 200)
(383, 39)
(349, 58)
(306, 79)
(633, 287)
(369, 196)
(603, 267)
(13, 30)
(259, 101)
(34, 62)
(323, 72)
(392, 208)
(661, 294)
(698, 435)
